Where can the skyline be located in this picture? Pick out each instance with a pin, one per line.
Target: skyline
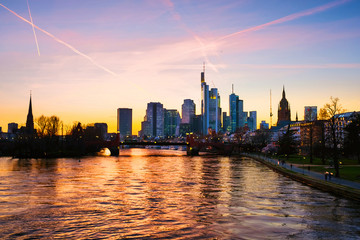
(91, 60)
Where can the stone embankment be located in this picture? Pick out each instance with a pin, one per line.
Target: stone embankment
(336, 186)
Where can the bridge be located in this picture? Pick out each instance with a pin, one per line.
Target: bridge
(193, 145)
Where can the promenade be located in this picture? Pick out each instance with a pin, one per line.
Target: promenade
(336, 185)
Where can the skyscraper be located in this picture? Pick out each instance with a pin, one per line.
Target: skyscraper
(187, 111)
(233, 111)
(283, 110)
(210, 107)
(204, 104)
(124, 122)
(252, 121)
(155, 115)
(171, 122)
(236, 112)
(214, 110)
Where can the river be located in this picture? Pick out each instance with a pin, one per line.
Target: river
(163, 194)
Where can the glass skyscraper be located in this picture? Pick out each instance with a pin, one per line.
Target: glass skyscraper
(155, 116)
(124, 122)
(187, 111)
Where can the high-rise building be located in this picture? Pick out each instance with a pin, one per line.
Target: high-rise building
(234, 112)
(124, 122)
(214, 110)
(226, 123)
(187, 111)
(204, 104)
(241, 114)
(171, 123)
(283, 110)
(210, 107)
(196, 124)
(13, 128)
(155, 115)
(252, 121)
(310, 113)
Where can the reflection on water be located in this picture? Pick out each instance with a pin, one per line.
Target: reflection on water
(163, 194)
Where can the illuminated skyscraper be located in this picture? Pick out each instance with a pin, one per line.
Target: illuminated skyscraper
(214, 110)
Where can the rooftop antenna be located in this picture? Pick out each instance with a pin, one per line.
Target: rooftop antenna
(232, 88)
(271, 114)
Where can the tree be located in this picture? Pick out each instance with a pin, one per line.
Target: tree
(333, 137)
(53, 126)
(287, 143)
(42, 122)
(352, 137)
(261, 138)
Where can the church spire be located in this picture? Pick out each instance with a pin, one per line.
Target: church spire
(30, 118)
(283, 93)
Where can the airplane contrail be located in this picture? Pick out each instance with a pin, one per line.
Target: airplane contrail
(32, 23)
(64, 43)
(288, 18)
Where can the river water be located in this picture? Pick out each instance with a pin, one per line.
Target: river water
(162, 194)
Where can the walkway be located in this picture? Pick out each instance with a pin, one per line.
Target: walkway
(303, 171)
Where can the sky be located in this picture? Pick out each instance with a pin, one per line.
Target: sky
(84, 59)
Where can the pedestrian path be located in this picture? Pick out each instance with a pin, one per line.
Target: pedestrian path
(307, 172)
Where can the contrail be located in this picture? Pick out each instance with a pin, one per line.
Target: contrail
(64, 43)
(288, 18)
(32, 23)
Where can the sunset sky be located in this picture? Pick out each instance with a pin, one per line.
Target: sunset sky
(91, 57)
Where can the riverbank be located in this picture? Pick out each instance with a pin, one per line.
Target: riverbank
(336, 186)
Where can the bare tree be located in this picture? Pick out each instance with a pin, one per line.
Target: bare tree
(328, 113)
(53, 126)
(41, 122)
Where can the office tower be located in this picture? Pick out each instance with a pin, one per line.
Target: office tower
(204, 104)
(171, 123)
(196, 124)
(283, 110)
(234, 112)
(101, 129)
(12, 128)
(187, 111)
(214, 110)
(226, 123)
(242, 115)
(252, 121)
(146, 130)
(155, 115)
(310, 113)
(124, 122)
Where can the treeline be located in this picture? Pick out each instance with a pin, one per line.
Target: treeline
(52, 139)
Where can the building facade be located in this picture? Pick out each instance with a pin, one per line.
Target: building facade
(124, 122)
(310, 113)
(187, 111)
(283, 110)
(171, 123)
(155, 116)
